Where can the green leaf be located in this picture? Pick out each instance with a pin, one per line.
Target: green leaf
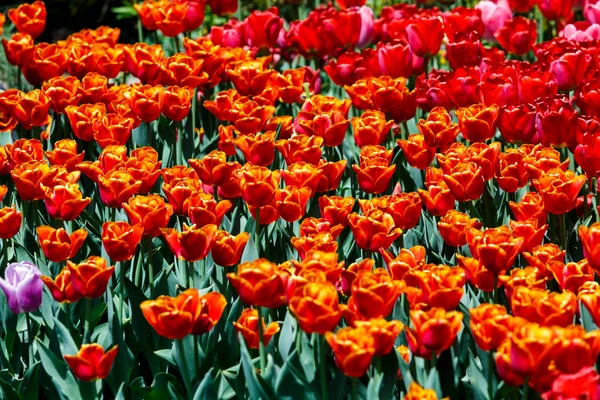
(8, 391)
(29, 386)
(287, 335)
(374, 385)
(307, 358)
(257, 387)
(206, 390)
(250, 253)
(58, 370)
(159, 389)
(67, 344)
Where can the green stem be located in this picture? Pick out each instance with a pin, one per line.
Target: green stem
(138, 269)
(184, 370)
(562, 226)
(122, 284)
(433, 360)
(490, 377)
(148, 241)
(526, 390)
(354, 389)
(87, 331)
(29, 339)
(322, 366)
(238, 13)
(257, 231)
(495, 288)
(194, 111)
(4, 252)
(191, 274)
(261, 344)
(176, 44)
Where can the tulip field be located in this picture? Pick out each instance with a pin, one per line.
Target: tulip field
(300, 199)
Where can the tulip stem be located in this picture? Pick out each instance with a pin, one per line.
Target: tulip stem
(257, 231)
(490, 377)
(191, 274)
(87, 334)
(562, 228)
(176, 44)
(184, 370)
(238, 13)
(4, 252)
(526, 390)
(261, 343)
(148, 241)
(29, 338)
(122, 283)
(495, 289)
(354, 389)
(322, 366)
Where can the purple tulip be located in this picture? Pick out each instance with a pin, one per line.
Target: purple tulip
(22, 286)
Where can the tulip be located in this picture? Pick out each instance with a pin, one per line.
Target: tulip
(435, 286)
(336, 209)
(22, 286)
(258, 185)
(494, 16)
(192, 244)
(57, 244)
(373, 295)
(438, 130)
(29, 18)
(373, 230)
(316, 307)
(559, 190)
(590, 241)
(204, 210)
(120, 240)
(453, 228)
(291, 202)
(259, 284)
(223, 7)
(425, 35)
(151, 211)
(211, 307)
(495, 248)
(491, 325)
(517, 36)
(258, 150)
(371, 128)
(175, 317)
(24, 150)
(177, 102)
(353, 349)
(91, 362)
(433, 331)
(247, 325)
(90, 278)
(65, 202)
(10, 222)
(226, 249)
(61, 288)
(300, 148)
(384, 332)
(477, 274)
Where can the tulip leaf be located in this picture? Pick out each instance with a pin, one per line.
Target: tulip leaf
(58, 370)
(307, 358)
(250, 253)
(123, 365)
(67, 344)
(257, 387)
(291, 381)
(7, 391)
(433, 382)
(287, 335)
(389, 363)
(158, 390)
(374, 386)
(206, 390)
(404, 370)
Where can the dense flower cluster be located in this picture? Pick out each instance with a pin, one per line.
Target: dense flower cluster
(396, 194)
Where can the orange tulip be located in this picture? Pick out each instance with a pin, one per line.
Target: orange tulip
(336, 209)
(62, 92)
(353, 349)
(371, 128)
(61, 288)
(146, 102)
(16, 47)
(259, 284)
(258, 185)
(211, 307)
(182, 70)
(590, 241)
(210, 168)
(291, 202)
(27, 178)
(65, 154)
(57, 244)
(302, 175)
(572, 276)
(192, 244)
(91, 362)
(316, 307)
(82, 119)
(453, 227)
(405, 208)
(43, 62)
(330, 175)
(477, 275)
(257, 150)
(151, 211)
(478, 122)
(435, 286)
(179, 191)
(226, 249)
(290, 83)
(120, 240)
(438, 199)
(250, 77)
(65, 201)
(313, 226)
(433, 331)
(529, 277)
(173, 317)
(438, 130)
(511, 173)
(203, 209)
(465, 181)
(90, 278)
(31, 109)
(384, 332)
(416, 151)
(407, 260)
(374, 294)
(495, 248)
(531, 206)
(249, 117)
(177, 102)
(374, 174)
(29, 18)
(373, 230)
(559, 189)
(300, 148)
(491, 325)
(112, 129)
(416, 392)
(24, 150)
(544, 255)
(532, 234)
(540, 160)
(537, 305)
(117, 187)
(10, 222)
(247, 325)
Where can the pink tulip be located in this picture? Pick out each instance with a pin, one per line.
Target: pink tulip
(494, 15)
